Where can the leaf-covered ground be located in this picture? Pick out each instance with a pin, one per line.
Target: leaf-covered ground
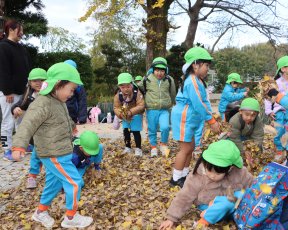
(129, 193)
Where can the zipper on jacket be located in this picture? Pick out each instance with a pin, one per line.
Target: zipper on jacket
(159, 85)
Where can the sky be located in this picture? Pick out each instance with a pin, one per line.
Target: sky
(67, 15)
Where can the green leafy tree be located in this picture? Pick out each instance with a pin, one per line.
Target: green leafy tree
(112, 67)
(35, 24)
(60, 40)
(45, 60)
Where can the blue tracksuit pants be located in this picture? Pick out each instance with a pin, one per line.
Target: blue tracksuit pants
(61, 173)
(35, 163)
(282, 121)
(199, 134)
(155, 118)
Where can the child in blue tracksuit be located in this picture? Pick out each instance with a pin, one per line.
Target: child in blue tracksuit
(86, 151)
(159, 89)
(48, 122)
(191, 109)
(276, 112)
(282, 100)
(231, 93)
(77, 104)
(35, 79)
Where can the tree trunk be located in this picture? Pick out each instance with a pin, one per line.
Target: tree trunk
(193, 24)
(157, 27)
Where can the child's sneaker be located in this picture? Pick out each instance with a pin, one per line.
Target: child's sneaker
(154, 152)
(127, 150)
(78, 221)
(44, 218)
(164, 150)
(8, 156)
(31, 182)
(179, 182)
(138, 152)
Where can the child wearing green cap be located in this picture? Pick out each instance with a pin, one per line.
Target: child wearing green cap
(275, 111)
(87, 150)
(219, 167)
(138, 79)
(35, 80)
(231, 93)
(159, 89)
(36, 76)
(192, 109)
(129, 105)
(246, 124)
(47, 121)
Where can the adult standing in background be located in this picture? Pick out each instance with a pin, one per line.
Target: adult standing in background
(14, 69)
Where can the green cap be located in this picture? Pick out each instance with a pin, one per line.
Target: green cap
(282, 62)
(234, 77)
(89, 141)
(124, 78)
(250, 104)
(59, 72)
(160, 63)
(194, 54)
(223, 153)
(138, 78)
(37, 73)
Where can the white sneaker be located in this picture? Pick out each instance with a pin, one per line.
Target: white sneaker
(138, 152)
(127, 150)
(154, 152)
(44, 218)
(164, 150)
(78, 221)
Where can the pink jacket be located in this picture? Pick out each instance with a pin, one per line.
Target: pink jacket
(199, 189)
(283, 88)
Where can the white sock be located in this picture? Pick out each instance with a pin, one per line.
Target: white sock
(177, 174)
(185, 171)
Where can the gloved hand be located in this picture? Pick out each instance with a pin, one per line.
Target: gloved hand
(272, 92)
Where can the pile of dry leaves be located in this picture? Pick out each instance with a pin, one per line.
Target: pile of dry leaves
(129, 193)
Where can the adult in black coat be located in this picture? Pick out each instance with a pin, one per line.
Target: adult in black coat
(15, 66)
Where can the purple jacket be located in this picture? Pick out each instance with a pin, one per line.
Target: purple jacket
(283, 88)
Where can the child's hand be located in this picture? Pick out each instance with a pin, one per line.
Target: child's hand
(167, 224)
(247, 89)
(18, 155)
(245, 94)
(272, 116)
(17, 112)
(215, 127)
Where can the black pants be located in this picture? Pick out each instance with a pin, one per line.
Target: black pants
(127, 138)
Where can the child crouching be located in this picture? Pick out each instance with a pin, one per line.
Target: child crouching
(218, 168)
(86, 151)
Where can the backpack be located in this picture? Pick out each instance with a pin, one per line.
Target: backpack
(261, 204)
(167, 77)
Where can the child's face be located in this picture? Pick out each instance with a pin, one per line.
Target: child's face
(235, 84)
(36, 84)
(159, 73)
(126, 89)
(284, 71)
(201, 70)
(86, 154)
(64, 93)
(248, 116)
(214, 176)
